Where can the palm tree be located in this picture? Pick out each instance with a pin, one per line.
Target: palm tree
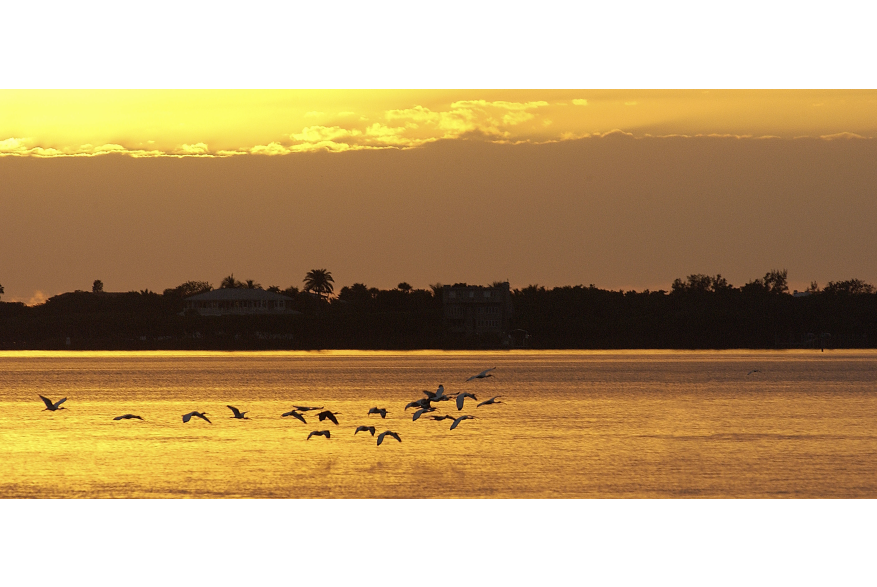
(230, 282)
(319, 281)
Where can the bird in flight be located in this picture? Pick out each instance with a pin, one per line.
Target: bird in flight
(330, 415)
(420, 412)
(370, 429)
(445, 417)
(754, 371)
(483, 374)
(306, 408)
(460, 419)
(388, 432)
(489, 402)
(127, 417)
(420, 403)
(325, 433)
(462, 397)
(202, 415)
(381, 411)
(438, 395)
(237, 413)
(295, 415)
(52, 406)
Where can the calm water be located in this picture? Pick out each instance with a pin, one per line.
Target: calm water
(572, 425)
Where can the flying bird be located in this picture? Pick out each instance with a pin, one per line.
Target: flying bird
(325, 433)
(295, 415)
(754, 371)
(381, 411)
(438, 395)
(483, 374)
(327, 414)
(462, 397)
(237, 413)
(489, 402)
(52, 406)
(127, 417)
(202, 415)
(445, 417)
(420, 412)
(420, 403)
(370, 429)
(460, 419)
(393, 434)
(306, 408)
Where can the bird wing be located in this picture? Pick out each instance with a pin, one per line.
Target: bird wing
(327, 434)
(460, 399)
(396, 436)
(429, 394)
(381, 437)
(360, 429)
(187, 417)
(237, 412)
(203, 417)
(59, 402)
(309, 435)
(47, 401)
(119, 417)
(457, 421)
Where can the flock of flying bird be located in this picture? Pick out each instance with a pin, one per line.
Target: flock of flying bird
(422, 405)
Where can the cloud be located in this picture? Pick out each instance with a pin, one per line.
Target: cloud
(196, 149)
(315, 134)
(417, 114)
(842, 135)
(580, 102)
(269, 149)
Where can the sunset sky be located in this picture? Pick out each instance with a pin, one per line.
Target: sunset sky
(619, 188)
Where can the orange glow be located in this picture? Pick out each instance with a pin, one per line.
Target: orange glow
(149, 123)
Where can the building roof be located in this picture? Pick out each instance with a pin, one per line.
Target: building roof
(235, 294)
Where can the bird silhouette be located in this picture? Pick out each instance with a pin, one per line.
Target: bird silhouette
(420, 412)
(753, 371)
(483, 374)
(388, 432)
(460, 419)
(419, 403)
(489, 402)
(370, 429)
(306, 408)
(438, 395)
(381, 411)
(52, 407)
(202, 415)
(325, 433)
(237, 413)
(462, 397)
(330, 415)
(127, 417)
(295, 415)
(445, 417)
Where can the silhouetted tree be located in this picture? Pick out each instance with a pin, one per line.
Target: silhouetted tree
(404, 287)
(250, 284)
(319, 281)
(849, 287)
(230, 282)
(1, 290)
(274, 288)
(189, 288)
(97, 286)
(775, 281)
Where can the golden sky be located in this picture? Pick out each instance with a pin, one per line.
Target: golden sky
(623, 189)
(149, 123)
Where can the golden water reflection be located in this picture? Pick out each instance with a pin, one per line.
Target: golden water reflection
(571, 425)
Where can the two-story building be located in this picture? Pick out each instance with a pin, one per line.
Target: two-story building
(238, 300)
(476, 309)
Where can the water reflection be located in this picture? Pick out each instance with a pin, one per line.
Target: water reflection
(571, 424)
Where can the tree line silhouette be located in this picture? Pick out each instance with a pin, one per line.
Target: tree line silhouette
(698, 312)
